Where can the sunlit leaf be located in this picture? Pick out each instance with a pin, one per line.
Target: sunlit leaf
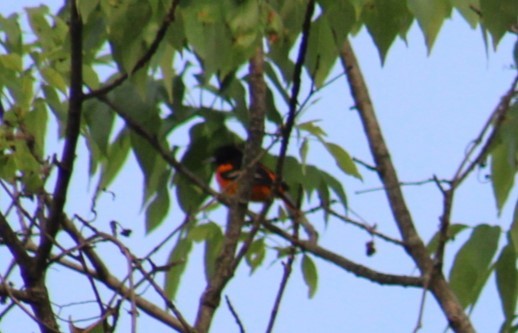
(117, 153)
(430, 15)
(36, 122)
(310, 275)
(322, 51)
(507, 282)
(177, 259)
(86, 7)
(472, 264)
(385, 19)
(453, 230)
(467, 10)
(211, 234)
(159, 205)
(503, 169)
(498, 16)
(343, 160)
(256, 254)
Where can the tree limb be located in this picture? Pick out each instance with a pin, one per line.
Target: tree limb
(66, 165)
(388, 176)
(225, 263)
(346, 264)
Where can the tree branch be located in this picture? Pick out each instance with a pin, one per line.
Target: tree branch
(102, 273)
(346, 264)
(297, 73)
(225, 263)
(66, 165)
(388, 176)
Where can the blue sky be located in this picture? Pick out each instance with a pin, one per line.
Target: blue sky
(430, 108)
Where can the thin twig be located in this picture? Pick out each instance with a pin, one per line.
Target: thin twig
(416, 183)
(346, 264)
(235, 315)
(287, 269)
(293, 103)
(370, 229)
(467, 166)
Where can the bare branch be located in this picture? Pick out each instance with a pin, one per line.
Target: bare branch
(388, 176)
(235, 315)
(102, 274)
(346, 264)
(370, 229)
(287, 266)
(467, 165)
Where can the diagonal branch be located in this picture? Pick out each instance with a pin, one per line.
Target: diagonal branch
(15, 246)
(469, 163)
(388, 176)
(102, 274)
(169, 18)
(346, 264)
(297, 73)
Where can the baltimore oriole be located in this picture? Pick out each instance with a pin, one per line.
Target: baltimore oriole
(228, 161)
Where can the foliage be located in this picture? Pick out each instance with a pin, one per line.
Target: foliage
(137, 85)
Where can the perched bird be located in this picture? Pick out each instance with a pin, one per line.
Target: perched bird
(228, 160)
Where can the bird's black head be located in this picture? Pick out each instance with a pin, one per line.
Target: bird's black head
(228, 154)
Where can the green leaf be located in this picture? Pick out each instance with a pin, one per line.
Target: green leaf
(126, 42)
(211, 37)
(504, 157)
(322, 51)
(303, 152)
(117, 154)
(453, 231)
(471, 267)
(502, 174)
(256, 254)
(507, 282)
(58, 108)
(513, 231)
(151, 164)
(310, 275)
(99, 120)
(313, 129)
(385, 19)
(212, 235)
(341, 15)
(10, 26)
(11, 61)
(498, 16)
(465, 7)
(213, 246)
(336, 187)
(342, 159)
(178, 258)
(36, 123)
(159, 205)
(430, 15)
(54, 79)
(86, 7)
